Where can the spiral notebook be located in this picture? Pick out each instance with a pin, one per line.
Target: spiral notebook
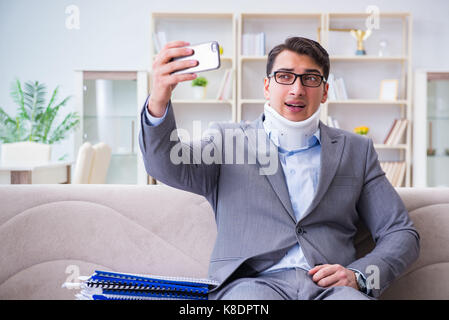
(106, 285)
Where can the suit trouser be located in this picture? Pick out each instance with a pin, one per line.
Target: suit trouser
(291, 284)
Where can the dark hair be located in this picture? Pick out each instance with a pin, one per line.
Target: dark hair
(302, 46)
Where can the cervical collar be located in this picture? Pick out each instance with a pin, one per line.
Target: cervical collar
(290, 135)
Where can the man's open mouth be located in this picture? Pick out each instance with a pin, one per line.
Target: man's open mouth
(294, 105)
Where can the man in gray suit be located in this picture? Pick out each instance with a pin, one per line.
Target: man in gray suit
(288, 192)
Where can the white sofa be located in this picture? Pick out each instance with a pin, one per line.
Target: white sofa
(51, 233)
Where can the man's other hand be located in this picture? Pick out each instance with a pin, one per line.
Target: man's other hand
(333, 275)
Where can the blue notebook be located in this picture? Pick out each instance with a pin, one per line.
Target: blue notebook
(106, 285)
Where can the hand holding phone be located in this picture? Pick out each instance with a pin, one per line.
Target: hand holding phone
(163, 81)
(177, 62)
(207, 54)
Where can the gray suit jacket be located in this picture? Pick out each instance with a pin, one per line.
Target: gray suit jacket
(255, 221)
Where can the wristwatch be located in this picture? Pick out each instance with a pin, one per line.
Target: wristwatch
(361, 282)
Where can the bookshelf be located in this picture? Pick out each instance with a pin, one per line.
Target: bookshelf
(362, 77)
(251, 68)
(362, 74)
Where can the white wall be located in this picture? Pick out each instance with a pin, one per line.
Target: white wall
(114, 34)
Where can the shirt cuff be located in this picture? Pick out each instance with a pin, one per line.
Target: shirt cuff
(151, 120)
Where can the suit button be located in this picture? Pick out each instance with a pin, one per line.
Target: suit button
(299, 230)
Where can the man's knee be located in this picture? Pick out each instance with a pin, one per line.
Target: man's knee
(247, 289)
(343, 293)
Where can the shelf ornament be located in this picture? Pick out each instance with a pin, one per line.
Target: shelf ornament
(360, 36)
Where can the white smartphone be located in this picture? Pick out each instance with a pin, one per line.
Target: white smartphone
(208, 57)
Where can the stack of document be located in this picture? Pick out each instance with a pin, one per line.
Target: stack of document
(105, 285)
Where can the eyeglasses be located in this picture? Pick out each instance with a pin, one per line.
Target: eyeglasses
(307, 79)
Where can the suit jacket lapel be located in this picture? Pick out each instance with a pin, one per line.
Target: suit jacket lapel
(276, 180)
(331, 152)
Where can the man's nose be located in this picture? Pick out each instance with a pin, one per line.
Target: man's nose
(297, 88)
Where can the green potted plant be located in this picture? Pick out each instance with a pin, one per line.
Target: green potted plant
(199, 87)
(35, 119)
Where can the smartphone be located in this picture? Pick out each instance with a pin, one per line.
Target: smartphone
(208, 57)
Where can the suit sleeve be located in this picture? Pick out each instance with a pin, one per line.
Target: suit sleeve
(175, 163)
(383, 212)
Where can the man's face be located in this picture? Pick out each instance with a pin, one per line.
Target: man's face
(295, 102)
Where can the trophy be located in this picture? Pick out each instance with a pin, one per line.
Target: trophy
(360, 36)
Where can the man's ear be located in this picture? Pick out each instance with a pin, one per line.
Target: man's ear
(266, 88)
(326, 88)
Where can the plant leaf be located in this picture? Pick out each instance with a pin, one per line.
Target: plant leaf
(18, 98)
(35, 118)
(71, 121)
(50, 115)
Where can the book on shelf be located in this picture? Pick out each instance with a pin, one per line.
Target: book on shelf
(253, 44)
(396, 132)
(106, 285)
(225, 89)
(159, 40)
(332, 122)
(341, 89)
(331, 92)
(337, 88)
(394, 171)
(389, 134)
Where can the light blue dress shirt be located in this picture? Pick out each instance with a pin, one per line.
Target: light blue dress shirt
(301, 170)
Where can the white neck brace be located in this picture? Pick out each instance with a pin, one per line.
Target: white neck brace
(287, 134)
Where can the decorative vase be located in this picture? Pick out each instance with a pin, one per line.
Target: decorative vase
(199, 92)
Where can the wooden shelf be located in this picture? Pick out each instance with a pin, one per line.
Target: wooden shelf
(253, 101)
(253, 58)
(368, 101)
(354, 58)
(281, 15)
(385, 146)
(226, 59)
(191, 15)
(363, 15)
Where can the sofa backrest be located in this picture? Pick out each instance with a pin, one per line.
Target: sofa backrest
(50, 233)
